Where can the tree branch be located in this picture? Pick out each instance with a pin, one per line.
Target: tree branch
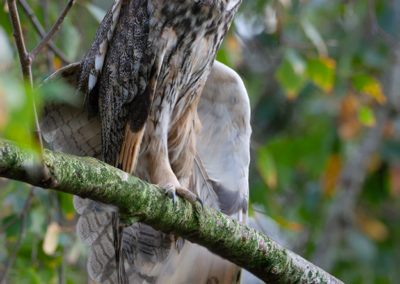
(53, 30)
(140, 201)
(24, 57)
(39, 29)
(25, 60)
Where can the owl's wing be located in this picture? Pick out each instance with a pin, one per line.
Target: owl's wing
(94, 60)
(219, 176)
(69, 129)
(223, 144)
(114, 76)
(220, 173)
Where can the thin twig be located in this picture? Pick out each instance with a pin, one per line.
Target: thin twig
(24, 57)
(26, 65)
(377, 28)
(9, 223)
(40, 30)
(46, 23)
(20, 238)
(52, 31)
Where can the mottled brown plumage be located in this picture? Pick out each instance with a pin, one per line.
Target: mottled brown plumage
(145, 72)
(219, 177)
(143, 78)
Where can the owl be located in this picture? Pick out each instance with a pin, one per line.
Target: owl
(157, 105)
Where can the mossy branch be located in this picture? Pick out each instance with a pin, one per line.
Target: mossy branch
(138, 200)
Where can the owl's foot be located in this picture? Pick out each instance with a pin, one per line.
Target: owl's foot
(172, 191)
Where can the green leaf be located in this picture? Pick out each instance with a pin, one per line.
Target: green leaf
(20, 117)
(366, 116)
(290, 79)
(369, 86)
(322, 72)
(27, 275)
(66, 205)
(13, 230)
(266, 167)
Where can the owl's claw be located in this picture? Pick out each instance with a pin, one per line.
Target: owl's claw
(201, 202)
(172, 191)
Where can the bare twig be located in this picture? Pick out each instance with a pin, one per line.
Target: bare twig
(38, 27)
(20, 238)
(52, 31)
(46, 23)
(24, 57)
(377, 28)
(26, 60)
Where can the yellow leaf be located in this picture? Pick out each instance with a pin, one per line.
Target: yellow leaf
(266, 167)
(70, 216)
(322, 72)
(372, 227)
(293, 226)
(51, 238)
(331, 174)
(369, 86)
(57, 64)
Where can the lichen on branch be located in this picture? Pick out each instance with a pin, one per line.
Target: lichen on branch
(138, 200)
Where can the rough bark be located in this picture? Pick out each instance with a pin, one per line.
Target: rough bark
(140, 201)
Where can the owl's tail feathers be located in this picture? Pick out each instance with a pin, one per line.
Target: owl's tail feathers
(94, 228)
(130, 149)
(67, 128)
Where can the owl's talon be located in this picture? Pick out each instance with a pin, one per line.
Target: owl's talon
(179, 242)
(174, 200)
(201, 202)
(170, 192)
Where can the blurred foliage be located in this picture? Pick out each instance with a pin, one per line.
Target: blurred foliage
(316, 71)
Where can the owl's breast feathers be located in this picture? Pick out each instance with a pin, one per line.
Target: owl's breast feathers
(186, 36)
